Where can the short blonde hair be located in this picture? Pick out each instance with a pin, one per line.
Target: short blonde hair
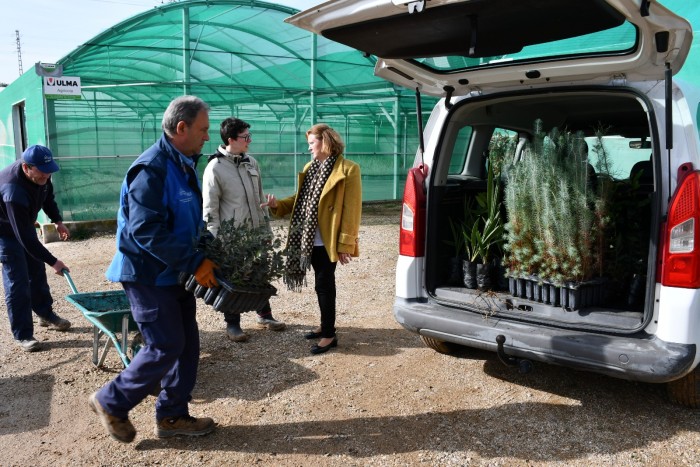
(331, 142)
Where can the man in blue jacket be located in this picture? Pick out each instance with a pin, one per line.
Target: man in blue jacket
(26, 188)
(158, 228)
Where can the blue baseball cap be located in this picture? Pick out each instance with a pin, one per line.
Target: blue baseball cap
(41, 158)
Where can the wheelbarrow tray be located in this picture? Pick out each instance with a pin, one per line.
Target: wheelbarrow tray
(110, 313)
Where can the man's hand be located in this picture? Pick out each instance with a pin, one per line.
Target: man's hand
(62, 230)
(205, 273)
(59, 266)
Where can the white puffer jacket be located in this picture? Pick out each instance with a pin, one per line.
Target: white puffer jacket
(232, 189)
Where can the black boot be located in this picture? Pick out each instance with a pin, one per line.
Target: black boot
(233, 327)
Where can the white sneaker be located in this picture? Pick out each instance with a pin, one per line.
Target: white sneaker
(29, 345)
(271, 323)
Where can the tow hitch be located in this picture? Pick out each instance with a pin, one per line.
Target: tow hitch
(524, 365)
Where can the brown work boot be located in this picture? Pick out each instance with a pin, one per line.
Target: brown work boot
(57, 323)
(184, 425)
(120, 429)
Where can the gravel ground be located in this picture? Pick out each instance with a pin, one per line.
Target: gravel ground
(380, 398)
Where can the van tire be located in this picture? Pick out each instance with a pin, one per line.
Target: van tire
(686, 390)
(437, 345)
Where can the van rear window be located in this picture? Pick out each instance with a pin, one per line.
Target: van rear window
(619, 40)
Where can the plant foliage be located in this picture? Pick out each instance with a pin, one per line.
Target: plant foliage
(248, 256)
(485, 233)
(556, 217)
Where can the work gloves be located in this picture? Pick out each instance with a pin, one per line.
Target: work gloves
(205, 274)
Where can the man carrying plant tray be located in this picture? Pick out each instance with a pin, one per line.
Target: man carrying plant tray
(232, 190)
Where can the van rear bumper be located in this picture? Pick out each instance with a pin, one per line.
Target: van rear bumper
(638, 357)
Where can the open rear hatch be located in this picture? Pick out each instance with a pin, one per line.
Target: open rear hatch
(436, 45)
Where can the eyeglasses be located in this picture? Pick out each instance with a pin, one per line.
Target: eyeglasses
(246, 137)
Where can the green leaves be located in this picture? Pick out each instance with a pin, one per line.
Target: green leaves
(486, 231)
(556, 216)
(248, 256)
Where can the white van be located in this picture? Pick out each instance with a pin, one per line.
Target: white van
(594, 193)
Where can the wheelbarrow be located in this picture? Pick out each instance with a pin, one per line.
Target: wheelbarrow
(110, 313)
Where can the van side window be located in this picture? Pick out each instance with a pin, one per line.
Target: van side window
(459, 150)
(623, 154)
(502, 149)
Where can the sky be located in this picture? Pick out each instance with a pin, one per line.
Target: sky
(51, 29)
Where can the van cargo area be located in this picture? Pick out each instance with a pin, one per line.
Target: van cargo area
(619, 298)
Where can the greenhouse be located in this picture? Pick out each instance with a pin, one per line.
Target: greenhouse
(244, 61)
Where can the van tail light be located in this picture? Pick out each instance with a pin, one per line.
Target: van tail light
(681, 257)
(412, 232)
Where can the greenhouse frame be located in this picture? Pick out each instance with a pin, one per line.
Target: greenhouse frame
(241, 58)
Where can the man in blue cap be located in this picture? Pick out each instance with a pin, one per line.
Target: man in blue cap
(25, 188)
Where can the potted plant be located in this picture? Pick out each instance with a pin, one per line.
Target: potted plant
(460, 243)
(556, 220)
(250, 259)
(487, 233)
(454, 262)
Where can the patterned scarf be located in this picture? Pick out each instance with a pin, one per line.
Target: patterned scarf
(302, 229)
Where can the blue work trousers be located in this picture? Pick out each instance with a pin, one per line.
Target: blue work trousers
(26, 288)
(166, 317)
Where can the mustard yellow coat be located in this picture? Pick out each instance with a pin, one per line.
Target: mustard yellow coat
(339, 209)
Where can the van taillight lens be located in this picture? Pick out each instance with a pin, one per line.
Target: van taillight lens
(683, 237)
(681, 260)
(412, 232)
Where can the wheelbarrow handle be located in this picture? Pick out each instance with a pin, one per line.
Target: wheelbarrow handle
(66, 274)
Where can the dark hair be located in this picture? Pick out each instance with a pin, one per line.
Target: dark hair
(182, 109)
(331, 142)
(232, 127)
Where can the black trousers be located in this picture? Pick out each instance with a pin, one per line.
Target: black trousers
(235, 318)
(324, 272)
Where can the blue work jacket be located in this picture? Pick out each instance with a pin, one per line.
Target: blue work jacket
(159, 220)
(20, 203)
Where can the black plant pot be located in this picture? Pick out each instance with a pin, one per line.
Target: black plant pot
(211, 294)
(191, 284)
(483, 276)
(227, 298)
(232, 299)
(469, 274)
(498, 273)
(454, 271)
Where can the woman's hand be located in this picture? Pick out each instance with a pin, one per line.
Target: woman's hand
(271, 202)
(344, 258)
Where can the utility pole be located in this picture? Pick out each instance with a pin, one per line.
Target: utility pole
(19, 53)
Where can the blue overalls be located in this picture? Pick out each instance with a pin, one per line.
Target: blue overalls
(21, 252)
(158, 226)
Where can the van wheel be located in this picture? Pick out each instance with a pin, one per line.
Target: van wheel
(685, 391)
(438, 346)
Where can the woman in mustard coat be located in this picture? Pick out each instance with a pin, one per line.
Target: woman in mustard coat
(325, 224)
